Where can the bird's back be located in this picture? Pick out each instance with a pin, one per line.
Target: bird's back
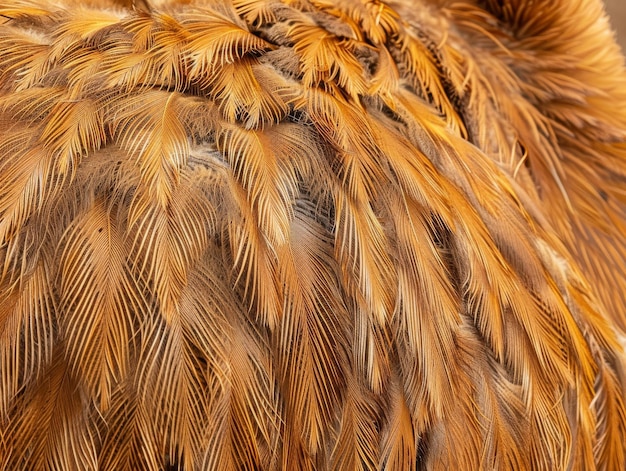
(311, 234)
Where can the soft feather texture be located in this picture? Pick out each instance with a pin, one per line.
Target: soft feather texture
(311, 234)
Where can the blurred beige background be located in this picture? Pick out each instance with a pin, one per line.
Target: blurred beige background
(617, 12)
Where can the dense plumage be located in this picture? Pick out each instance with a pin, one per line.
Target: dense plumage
(311, 234)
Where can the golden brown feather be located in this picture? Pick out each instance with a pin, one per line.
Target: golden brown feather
(311, 234)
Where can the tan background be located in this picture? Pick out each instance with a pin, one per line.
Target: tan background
(617, 11)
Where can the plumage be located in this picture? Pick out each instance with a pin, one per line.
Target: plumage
(311, 234)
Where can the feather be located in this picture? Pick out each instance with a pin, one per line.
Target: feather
(242, 426)
(311, 370)
(55, 404)
(98, 293)
(325, 57)
(397, 449)
(356, 446)
(27, 333)
(26, 60)
(151, 129)
(130, 441)
(245, 92)
(223, 43)
(254, 12)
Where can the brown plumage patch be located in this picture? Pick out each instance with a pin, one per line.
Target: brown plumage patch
(311, 234)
